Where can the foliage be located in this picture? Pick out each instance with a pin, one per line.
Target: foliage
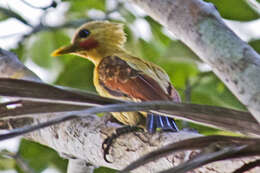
(29, 151)
(235, 10)
(104, 170)
(194, 84)
(6, 163)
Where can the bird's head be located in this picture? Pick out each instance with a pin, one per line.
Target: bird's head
(97, 36)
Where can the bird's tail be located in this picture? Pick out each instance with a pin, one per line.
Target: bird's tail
(156, 121)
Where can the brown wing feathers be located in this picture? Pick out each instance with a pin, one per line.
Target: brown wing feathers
(118, 78)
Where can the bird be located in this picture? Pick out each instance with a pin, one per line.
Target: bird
(120, 75)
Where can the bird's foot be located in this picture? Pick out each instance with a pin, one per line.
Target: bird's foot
(119, 132)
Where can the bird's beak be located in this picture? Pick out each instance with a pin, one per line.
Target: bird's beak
(65, 50)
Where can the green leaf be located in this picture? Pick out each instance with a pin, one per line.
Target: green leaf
(130, 37)
(212, 91)
(77, 73)
(255, 44)
(44, 44)
(6, 163)
(130, 18)
(158, 35)
(3, 16)
(40, 157)
(104, 170)
(78, 8)
(235, 9)
(179, 70)
(148, 50)
(177, 49)
(20, 51)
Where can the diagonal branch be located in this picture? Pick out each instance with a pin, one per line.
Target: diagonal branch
(21, 163)
(82, 137)
(200, 27)
(11, 13)
(43, 94)
(205, 158)
(208, 143)
(248, 166)
(52, 4)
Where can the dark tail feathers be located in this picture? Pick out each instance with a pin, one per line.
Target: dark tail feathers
(156, 121)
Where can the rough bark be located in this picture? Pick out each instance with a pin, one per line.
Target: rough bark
(81, 139)
(200, 27)
(79, 166)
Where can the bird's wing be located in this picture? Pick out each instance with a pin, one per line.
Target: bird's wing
(119, 78)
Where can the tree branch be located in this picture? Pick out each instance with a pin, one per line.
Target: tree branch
(248, 166)
(79, 166)
(199, 26)
(21, 163)
(82, 138)
(53, 4)
(235, 121)
(208, 145)
(11, 67)
(11, 13)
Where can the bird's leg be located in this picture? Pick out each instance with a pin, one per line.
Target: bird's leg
(119, 132)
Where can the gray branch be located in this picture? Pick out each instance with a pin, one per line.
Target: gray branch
(11, 13)
(82, 138)
(79, 166)
(199, 26)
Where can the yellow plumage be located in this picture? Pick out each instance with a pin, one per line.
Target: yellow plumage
(117, 73)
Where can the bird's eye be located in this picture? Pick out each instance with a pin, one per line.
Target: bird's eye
(84, 33)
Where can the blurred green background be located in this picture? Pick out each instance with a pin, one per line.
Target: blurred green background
(146, 38)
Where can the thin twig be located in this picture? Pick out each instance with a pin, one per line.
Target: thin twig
(53, 4)
(248, 166)
(204, 159)
(11, 13)
(127, 107)
(70, 24)
(224, 118)
(19, 160)
(204, 142)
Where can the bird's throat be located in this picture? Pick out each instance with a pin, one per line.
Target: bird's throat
(91, 55)
(95, 55)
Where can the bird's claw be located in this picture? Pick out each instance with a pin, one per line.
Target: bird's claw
(106, 145)
(109, 140)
